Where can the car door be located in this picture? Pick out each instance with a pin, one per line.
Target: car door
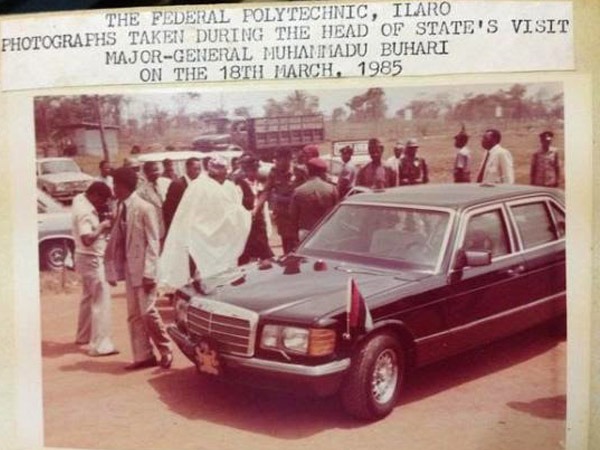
(540, 232)
(480, 297)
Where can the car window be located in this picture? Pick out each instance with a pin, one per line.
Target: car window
(487, 232)
(59, 166)
(407, 237)
(559, 220)
(534, 224)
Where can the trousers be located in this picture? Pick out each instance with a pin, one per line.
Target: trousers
(94, 323)
(145, 324)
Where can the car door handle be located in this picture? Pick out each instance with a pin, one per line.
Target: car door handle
(514, 271)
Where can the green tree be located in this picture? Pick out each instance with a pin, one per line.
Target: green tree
(297, 103)
(369, 106)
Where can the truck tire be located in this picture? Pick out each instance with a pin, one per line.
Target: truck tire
(375, 378)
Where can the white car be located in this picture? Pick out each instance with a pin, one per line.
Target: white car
(179, 158)
(61, 178)
(55, 233)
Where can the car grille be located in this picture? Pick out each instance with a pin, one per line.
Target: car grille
(232, 327)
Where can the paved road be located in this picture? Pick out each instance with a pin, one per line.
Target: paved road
(510, 395)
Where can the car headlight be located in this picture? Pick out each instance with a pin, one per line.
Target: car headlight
(60, 187)
(303, 341)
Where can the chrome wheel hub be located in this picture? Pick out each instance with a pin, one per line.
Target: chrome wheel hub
(385, 376)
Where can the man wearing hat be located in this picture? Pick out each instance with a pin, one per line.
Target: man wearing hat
(279, 189)
(312, 200)
(394, 160)
(412, 168)
(462, 162)
(545, 165)
(347, 176)
(375, 175)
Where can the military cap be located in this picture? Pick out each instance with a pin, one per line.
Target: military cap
(412, 142)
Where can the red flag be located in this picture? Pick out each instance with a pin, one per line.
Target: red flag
(358, 316)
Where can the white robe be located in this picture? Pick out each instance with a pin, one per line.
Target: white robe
(211, 225)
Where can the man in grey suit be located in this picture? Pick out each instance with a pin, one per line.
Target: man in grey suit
(132, 255)
(497, 165)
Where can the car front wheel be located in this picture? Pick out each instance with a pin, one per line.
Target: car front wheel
(375, 377)
(53, 254)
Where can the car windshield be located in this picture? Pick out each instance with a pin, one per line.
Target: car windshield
(59, 166)
(395, 237)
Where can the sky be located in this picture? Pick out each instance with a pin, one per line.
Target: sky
(396, 97)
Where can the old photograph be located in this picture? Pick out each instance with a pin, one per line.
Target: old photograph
(338, 265)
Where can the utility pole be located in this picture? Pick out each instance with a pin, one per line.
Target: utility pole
(101, 128)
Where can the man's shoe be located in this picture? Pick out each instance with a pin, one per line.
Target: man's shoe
(166, 360)
(146, 363)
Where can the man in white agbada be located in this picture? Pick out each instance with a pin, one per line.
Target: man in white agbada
(210, 225)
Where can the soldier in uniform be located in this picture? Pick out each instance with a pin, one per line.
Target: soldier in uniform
(313, 199)
(376, 175)
(545, 166)
(412, 168)
(279, 188)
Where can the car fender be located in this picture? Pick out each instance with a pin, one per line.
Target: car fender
(400, 330)
(57, 237)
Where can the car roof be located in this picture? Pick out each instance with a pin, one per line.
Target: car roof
(455, 196)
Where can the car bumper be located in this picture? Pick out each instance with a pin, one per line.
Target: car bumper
(320, 380)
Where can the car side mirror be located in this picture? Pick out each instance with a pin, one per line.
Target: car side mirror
(469, 258)
(478, 258)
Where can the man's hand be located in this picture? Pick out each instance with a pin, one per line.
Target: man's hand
(105, 225)
(148, 284)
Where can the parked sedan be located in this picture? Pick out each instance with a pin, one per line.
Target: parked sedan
(55, 233)
(388, 282)
(61, 178)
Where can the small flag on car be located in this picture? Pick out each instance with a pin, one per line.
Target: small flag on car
(358, 316)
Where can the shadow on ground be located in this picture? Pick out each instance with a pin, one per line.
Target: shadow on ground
(288, 416)
(544, 408)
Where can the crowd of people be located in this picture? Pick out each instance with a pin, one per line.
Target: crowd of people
(148, 226)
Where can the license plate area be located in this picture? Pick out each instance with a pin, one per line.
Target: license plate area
(207, 357)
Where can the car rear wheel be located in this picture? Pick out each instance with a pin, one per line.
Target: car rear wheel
(54, 253)
(375, 377)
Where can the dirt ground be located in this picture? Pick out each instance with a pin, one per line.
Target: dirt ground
(509, 395)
